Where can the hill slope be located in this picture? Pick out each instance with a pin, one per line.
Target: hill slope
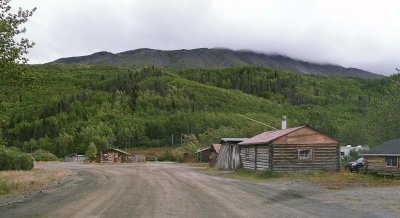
(66, 107)
(203, 58)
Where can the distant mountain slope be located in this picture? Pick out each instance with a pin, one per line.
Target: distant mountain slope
(203, 57)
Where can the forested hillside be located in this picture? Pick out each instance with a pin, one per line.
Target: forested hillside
(212, 58)
(64, 108)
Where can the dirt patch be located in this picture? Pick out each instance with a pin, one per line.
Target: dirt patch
(156, 189)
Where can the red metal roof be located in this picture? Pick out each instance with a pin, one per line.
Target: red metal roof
(269, 136)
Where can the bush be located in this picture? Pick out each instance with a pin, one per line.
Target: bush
(43, 155)
(12, 158)
(269, 174)
(91, 152)
(5, 186)
(167, 156)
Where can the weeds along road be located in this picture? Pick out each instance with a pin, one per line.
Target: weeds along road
(165, 190)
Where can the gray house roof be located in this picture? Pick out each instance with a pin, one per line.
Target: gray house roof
(389, 148)
(236, 140)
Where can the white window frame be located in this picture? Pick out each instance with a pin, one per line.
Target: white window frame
(391, 158)
(302, 157)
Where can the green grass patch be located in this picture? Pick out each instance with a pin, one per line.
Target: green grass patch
(6, 186)
(331, 180)
(256, 174)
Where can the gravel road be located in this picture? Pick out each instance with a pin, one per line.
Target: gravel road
(172, 190)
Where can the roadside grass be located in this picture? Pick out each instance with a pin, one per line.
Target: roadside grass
(16, 182)
(5, 185)
(330, 180)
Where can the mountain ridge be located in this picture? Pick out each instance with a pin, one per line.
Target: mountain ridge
(214, 57)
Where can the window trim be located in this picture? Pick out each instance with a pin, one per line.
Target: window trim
(392, 158)
(300, 159)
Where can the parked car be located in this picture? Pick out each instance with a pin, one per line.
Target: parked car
(356, 165)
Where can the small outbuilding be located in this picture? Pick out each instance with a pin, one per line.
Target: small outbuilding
(75, 158)
(208, 154)
(384, 159)
(291, 150)
(113, 155)
(228, 156)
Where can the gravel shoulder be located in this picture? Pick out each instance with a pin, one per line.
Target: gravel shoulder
(178, 190)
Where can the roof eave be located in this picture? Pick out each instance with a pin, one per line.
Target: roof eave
(391, 155)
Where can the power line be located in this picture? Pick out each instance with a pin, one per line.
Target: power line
(258, 122)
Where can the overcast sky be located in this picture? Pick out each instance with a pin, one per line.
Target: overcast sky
(352, 33)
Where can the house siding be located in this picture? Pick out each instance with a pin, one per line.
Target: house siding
(255, 157)
(377, 164)
(323, 157)
(228, 157)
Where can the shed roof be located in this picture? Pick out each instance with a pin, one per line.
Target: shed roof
(118, 150)
(388, 148)
(216, 147)
(202, 149)
(232, 139)
(268, 136)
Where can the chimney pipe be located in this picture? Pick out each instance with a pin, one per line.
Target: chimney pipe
(284, 122)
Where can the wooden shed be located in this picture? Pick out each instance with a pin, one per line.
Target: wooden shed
(206, 154)
(113, 155)
(384, 159)
(228, 157)
(290, 150)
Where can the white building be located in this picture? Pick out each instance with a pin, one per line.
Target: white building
(345, 150)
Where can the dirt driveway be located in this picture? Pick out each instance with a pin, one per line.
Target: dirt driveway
(176, 190)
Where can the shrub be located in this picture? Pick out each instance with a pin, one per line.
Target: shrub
(5, 186)
(12, 158)
(43, 155)
(269, 174)
(91, 152)
(167, 156)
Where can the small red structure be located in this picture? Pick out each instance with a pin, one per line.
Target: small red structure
(113, 155)
(187, 157)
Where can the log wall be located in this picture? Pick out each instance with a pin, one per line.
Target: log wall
(377, 164)
(285, 158)
(255, 157)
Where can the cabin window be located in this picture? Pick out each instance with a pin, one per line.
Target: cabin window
(304, 154)
(391, 161)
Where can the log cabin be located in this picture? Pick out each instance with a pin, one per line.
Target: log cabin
(228, 157)
(112, 155)
(291, 150)
(383, 159)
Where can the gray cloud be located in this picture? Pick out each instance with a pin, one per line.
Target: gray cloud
(358, 33)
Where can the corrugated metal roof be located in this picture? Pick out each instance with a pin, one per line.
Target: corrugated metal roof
(116, 149)
(216, 147)
(267, 137)
(389, 147)
(202, 149)
(233, 139)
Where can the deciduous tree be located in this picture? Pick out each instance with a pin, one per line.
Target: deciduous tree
(12, 49)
